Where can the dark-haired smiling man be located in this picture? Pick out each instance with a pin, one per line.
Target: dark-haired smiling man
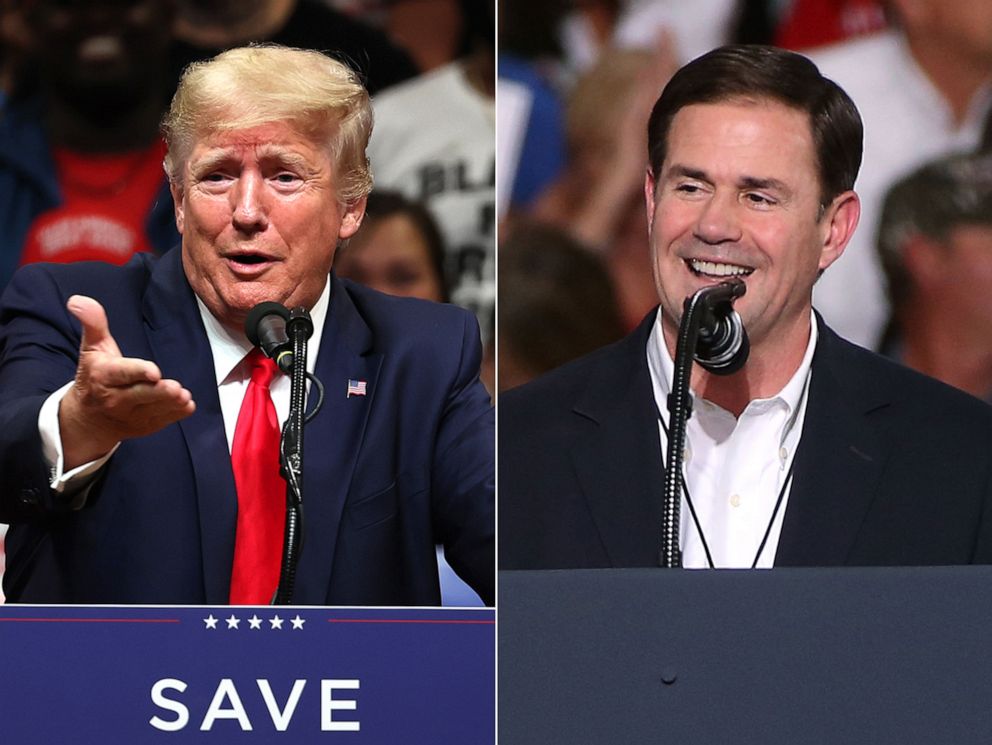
(816, 452)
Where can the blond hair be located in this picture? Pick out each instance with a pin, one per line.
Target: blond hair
(260, 84)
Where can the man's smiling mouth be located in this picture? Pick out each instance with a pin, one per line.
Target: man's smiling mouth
(717, 269)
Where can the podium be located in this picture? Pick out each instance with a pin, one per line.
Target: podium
(798, 656)
(101, 675)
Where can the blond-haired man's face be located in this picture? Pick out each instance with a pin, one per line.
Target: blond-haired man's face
(260, 218)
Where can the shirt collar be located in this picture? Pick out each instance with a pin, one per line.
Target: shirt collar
(662, 367)
(228, 349)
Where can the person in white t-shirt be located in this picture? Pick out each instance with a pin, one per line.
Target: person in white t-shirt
(434, 141)
(923, 90)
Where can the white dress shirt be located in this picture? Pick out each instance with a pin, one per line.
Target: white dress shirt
(734, 468)
(232, 374)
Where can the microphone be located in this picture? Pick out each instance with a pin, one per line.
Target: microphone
(722, 346)
(266, 329)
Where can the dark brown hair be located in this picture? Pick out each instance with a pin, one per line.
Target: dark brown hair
(756, 73)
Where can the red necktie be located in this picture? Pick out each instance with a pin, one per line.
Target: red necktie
(261, 491)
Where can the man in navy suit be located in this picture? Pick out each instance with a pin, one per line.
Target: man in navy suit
(816, 452)
(120, 387)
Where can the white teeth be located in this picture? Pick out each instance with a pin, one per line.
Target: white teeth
(718, 270)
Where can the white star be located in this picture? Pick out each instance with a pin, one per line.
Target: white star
(210, 621)
(297, 622)
(276, 622)
(255, 622)
(232, 622)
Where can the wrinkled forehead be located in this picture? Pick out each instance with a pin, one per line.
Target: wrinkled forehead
(233, 129)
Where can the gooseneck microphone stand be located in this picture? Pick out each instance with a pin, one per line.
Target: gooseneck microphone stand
(282, 336)
(299, 328)
(721, 348)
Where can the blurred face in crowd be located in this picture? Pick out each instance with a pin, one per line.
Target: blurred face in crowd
(101, 54)
(392, 256)
(738, 195)
(962, 25)
(958, 273)
(260, 219)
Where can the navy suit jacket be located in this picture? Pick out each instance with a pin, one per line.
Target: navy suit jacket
(893, 468)
(386, 476)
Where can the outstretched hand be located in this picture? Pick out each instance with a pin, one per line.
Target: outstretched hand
(113, 397)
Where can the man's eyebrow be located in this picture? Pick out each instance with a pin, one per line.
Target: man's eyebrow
(216, 158)
(677, 170)
(281, 156)
(772, 184)
(209, 161)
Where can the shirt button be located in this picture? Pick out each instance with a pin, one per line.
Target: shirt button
(783, 456)
(735, 500)
(686, 454)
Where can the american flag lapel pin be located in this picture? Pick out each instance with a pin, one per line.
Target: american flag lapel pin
(356, 387)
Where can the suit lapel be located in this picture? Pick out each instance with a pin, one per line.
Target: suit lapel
(179, 343)
(617, 460)
(333, 439)
(838, 464)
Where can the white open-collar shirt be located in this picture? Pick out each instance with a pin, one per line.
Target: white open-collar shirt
(734, 467)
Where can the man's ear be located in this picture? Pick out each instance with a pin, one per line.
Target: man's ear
(649, 189)
(177, 204)
(351, 218)
(839, 222)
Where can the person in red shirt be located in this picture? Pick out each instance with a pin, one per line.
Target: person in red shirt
(81, 154)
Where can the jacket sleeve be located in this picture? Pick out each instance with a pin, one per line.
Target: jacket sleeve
(463, 507)
(39, 343)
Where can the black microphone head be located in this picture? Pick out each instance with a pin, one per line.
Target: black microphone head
(725, 351)
(722, 346)
(260, 311)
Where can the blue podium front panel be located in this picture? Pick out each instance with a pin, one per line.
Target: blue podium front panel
(110, 675)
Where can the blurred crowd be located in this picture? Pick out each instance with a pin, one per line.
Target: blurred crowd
(577, 80)
(84, 83)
